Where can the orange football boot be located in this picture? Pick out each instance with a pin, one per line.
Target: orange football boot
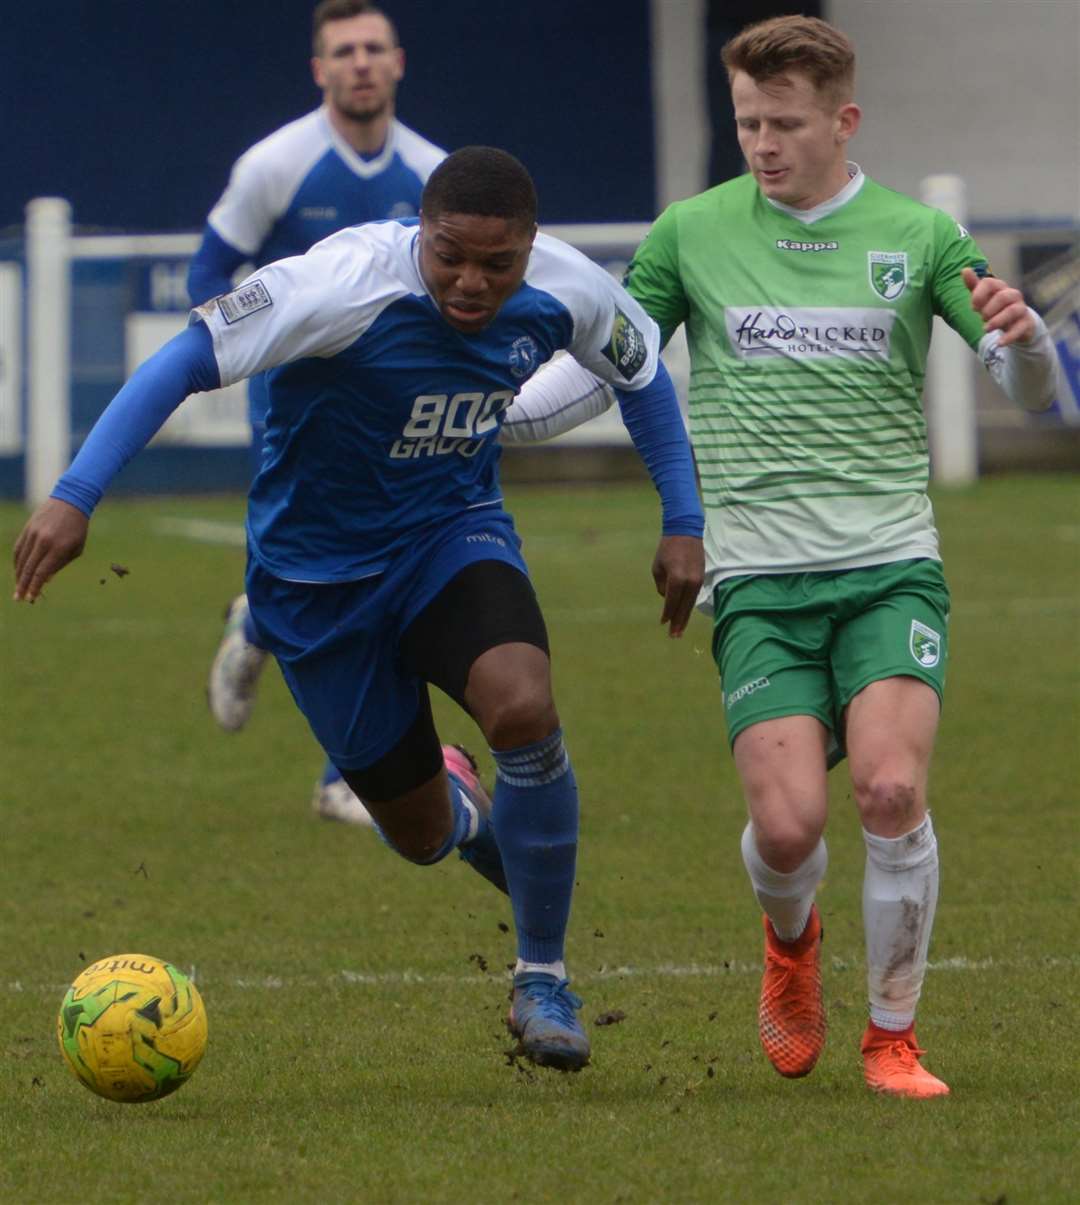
(891, 1064)
(791, 1015)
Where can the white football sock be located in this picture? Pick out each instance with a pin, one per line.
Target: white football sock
(558, 969)
(900, 891)
(786, 899)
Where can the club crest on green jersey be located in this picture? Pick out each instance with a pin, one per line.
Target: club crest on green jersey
(925, 644)
(888, 273)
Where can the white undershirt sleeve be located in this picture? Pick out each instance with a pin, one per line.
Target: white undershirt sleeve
(1026, 372)
(561, 396)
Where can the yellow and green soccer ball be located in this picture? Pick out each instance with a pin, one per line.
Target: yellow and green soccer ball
(132, 1028)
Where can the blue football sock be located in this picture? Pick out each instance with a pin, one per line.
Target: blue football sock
(535, 816)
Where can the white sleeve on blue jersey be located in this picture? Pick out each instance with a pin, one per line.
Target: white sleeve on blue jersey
(265, 179)
(558, 398)
(308, 305)
(613, 336)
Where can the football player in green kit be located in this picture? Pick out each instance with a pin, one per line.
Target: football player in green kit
(808, 294)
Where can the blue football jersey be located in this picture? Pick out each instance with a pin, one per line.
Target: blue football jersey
(304, 182)
(383, 419)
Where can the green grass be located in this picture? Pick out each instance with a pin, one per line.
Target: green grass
(356, 1003)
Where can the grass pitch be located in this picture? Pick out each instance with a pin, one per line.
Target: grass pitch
(357, 1051)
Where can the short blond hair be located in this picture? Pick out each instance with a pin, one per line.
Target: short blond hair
(807, 44)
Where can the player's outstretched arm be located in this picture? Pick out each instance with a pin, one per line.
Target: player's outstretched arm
(54, 535)
(563, 395)
(655, 424)
(678, 570)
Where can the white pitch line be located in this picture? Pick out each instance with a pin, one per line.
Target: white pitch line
(692, 970)
(204, 531)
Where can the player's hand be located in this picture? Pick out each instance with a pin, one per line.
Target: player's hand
(1001, 307)
(678, 570)
(54, 535)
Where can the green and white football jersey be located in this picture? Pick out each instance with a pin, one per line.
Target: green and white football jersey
(808, 345)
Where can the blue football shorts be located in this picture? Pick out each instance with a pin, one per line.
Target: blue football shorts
(338, 643)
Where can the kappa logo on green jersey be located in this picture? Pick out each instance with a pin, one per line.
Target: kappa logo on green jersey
(888, 273)
(925, 644)
(787, 244)
(626, 348)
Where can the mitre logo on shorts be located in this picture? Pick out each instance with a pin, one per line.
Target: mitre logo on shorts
(626, 348)
(248, 299)
(925, 644)
(799, 334)
(888, 273)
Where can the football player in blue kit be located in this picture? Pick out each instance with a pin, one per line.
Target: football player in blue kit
(349, 161)
(380, 557)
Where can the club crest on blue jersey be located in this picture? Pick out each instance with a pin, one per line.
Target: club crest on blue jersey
(888, 273)
(524, 357)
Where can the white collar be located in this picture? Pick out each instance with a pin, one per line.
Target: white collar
(361, 166)
(807, 216)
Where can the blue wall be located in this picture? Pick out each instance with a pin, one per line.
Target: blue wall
(134, 111)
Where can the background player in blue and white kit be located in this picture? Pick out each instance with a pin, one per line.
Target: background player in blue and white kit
(380, 556)
(349, 161)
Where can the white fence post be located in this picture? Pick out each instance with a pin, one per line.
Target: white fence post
(950, 385)
(48, 421)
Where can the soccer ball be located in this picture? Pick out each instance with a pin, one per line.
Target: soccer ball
(132, 1028)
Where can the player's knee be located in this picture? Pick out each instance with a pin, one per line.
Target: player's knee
(786, 841)
(888, 804)
(421, 845)
(521, 714)
(418, 851)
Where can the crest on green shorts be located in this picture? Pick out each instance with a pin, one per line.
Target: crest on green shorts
(888, 273)
(925, 644)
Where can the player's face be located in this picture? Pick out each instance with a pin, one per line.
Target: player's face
(358, 67)
(472, 265)
(793, 138)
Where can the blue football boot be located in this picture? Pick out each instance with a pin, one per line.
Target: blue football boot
(542, 1016)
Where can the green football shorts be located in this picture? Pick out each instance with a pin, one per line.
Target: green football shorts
(807, 643)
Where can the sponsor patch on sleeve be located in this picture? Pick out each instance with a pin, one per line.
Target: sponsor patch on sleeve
(626, 348)
(244, 301)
